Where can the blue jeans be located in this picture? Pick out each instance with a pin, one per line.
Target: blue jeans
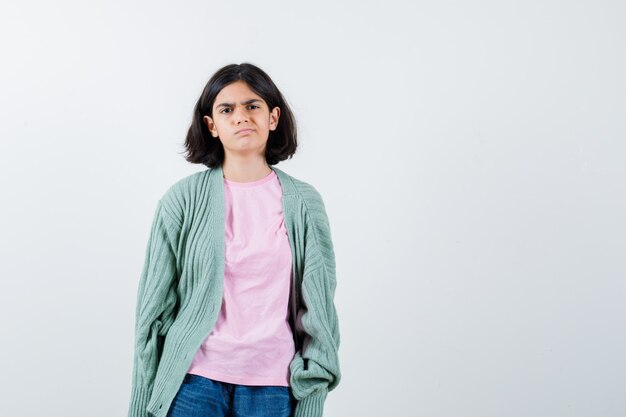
(203, 397)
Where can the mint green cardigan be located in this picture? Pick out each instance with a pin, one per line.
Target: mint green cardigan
(180, 292)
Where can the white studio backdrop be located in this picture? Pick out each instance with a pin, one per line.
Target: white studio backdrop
(471, 155)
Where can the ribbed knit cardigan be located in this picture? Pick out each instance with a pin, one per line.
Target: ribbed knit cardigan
(180, 292)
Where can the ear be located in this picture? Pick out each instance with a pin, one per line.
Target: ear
(274, 116)
(210, 125)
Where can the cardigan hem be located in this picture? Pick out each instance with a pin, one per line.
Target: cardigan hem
(312, 405)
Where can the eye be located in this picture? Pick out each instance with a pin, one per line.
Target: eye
(224, 110)
(254, 105)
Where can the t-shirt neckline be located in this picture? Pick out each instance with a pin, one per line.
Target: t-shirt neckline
(263, 180)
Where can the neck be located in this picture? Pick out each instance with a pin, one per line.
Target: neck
(245, 169)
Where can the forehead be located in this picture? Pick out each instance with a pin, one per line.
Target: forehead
(236, 92)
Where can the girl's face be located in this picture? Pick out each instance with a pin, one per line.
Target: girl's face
(241, 120)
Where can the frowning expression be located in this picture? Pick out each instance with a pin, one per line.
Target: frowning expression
(241, 119)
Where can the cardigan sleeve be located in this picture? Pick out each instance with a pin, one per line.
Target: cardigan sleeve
(156, 303)
(315, 369)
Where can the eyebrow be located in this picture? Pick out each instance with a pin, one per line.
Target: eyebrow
(243, 102)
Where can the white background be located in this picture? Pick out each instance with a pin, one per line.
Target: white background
(470, 154)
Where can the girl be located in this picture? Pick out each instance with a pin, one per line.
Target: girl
(235, 312)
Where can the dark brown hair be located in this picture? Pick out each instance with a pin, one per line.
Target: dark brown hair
(202, 148)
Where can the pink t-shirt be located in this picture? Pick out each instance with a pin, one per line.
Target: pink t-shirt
(252, 342)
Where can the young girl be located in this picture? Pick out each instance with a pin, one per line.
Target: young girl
(235, 312)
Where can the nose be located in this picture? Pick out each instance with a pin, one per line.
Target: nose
(240, 115)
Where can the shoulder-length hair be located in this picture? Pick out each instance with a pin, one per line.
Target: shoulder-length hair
(202, 148)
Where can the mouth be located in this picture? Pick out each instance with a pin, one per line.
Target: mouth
(243, 131)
